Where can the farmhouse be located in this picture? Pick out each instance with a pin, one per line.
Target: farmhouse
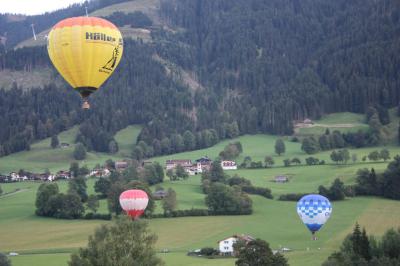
(205, 163)
(281, 179)
(225, 246)
(172, 164)
(228, 165)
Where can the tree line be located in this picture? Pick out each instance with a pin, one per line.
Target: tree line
(360, 249)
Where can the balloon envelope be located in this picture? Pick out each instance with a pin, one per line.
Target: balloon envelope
(134, 202)
(314, 210)
(86, 51)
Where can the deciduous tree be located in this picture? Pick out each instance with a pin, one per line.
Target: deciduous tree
(279, 147)
(124, 242)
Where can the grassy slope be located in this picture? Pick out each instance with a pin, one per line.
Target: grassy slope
(42, 156)
(126, 138)
(148, 7)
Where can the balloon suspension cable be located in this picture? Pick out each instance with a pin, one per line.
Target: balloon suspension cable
(85, 105)
(314, 237)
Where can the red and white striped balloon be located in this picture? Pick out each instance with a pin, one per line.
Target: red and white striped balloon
(134, 202)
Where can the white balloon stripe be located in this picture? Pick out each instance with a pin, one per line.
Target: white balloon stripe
(134, 204)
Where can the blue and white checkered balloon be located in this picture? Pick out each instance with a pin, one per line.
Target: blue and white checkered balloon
(314, 210)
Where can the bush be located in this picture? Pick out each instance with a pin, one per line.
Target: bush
(256, 165)
(183, 213)
(312, 161)
(265, 192)
(291, 197)
(4, 261)
(97, 216)
(209, 251)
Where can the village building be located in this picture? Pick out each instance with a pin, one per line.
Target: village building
(200, 165)
(225, 246)
(99, 173)
(194, 169)
(63, 175)
(229, 165)
(5, 178)
(15, 177)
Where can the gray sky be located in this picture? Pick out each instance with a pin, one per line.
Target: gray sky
(33, 7)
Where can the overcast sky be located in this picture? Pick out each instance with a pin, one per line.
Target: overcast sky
(33, 7)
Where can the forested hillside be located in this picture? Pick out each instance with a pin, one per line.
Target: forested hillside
(15, 28)
(217, 69)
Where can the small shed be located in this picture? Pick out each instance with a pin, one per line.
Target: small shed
(281, 179)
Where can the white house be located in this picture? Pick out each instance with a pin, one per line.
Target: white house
(225, 246)
(228, 165)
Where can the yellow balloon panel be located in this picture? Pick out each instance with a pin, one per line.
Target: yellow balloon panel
(85, 50)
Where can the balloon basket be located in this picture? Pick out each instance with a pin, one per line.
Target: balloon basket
(314, 237)
(85, 105)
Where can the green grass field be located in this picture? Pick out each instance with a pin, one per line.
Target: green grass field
(274, 221)
(52, 240)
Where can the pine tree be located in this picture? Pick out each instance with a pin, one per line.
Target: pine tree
(398, 133)
(356, 240)
(79, 152)
(54, 141)
(365, 250)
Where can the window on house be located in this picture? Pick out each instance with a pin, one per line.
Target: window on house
(226, 242)
(226, 248)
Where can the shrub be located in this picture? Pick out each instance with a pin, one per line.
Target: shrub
(291, 197)
(265, 192)
(97, 216)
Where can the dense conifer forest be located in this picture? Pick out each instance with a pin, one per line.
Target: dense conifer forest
(259, 65)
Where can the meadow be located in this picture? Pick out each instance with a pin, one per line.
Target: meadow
(47, 241)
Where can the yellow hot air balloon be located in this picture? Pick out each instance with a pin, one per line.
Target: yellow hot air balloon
(86, 51)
